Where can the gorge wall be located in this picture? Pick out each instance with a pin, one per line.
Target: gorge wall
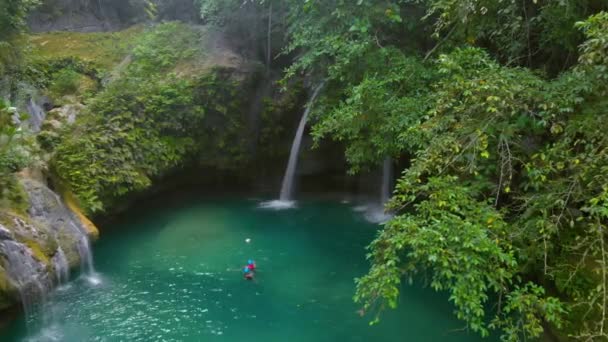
(106, 15)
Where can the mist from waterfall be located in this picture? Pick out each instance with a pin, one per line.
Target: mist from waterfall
(286, 196)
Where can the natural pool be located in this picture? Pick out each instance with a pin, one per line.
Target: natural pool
(173, 273)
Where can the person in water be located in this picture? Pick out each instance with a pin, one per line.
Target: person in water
(247, 273)
(251, 264)
(249, 270)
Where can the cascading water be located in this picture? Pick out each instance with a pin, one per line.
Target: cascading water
(36, 113)
(62, 268)
(49, 219)
(86, 261)
(46, 206)
(285, 199)
(28, 276)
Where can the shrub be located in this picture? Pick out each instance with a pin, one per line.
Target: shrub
(65, 82)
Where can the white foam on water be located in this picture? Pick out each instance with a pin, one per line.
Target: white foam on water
(48, 334)
(278, 205)
(377, 215)
(93, 279)
(373, 213)
(360, 208)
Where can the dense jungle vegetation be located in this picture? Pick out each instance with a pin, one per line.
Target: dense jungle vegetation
(495, 106)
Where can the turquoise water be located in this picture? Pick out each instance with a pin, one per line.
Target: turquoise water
(173, 274)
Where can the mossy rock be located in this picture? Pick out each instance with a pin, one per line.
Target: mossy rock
(72, 204)
(12, 195)
(69, 245)
(40, 252)
(37, 238)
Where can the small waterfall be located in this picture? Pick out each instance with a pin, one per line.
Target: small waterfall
(29, 277)
(47, 207)
(86, 260)
(387, 180)
(62, 268)
(32, 276)
(37, 114)
(376, 212)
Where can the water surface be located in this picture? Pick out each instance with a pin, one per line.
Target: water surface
(173, 274)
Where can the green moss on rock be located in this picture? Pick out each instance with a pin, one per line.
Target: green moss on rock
(107, 49)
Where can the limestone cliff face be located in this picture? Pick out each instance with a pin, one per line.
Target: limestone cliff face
(36, 245)
(107, 15)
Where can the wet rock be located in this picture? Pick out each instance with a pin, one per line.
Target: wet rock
(60, 116)
(37, 249)
(6, 234)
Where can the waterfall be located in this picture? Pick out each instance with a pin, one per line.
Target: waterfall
(287, 187)
(33, 276)
(36, 113)
(86, 260)
(28, 276)
(48, 208)
(285, 199)
(376, 212)
(62, 268)
(387, 180)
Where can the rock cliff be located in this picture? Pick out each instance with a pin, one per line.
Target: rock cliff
(36, 247)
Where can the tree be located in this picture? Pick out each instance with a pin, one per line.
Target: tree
(13, 14)
(253, 21)
(503, 200)
(16, 152)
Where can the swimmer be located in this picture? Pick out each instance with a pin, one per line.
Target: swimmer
(251, 265)
(248, 274)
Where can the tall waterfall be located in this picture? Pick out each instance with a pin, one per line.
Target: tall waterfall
(287, 187)
(285, 198)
